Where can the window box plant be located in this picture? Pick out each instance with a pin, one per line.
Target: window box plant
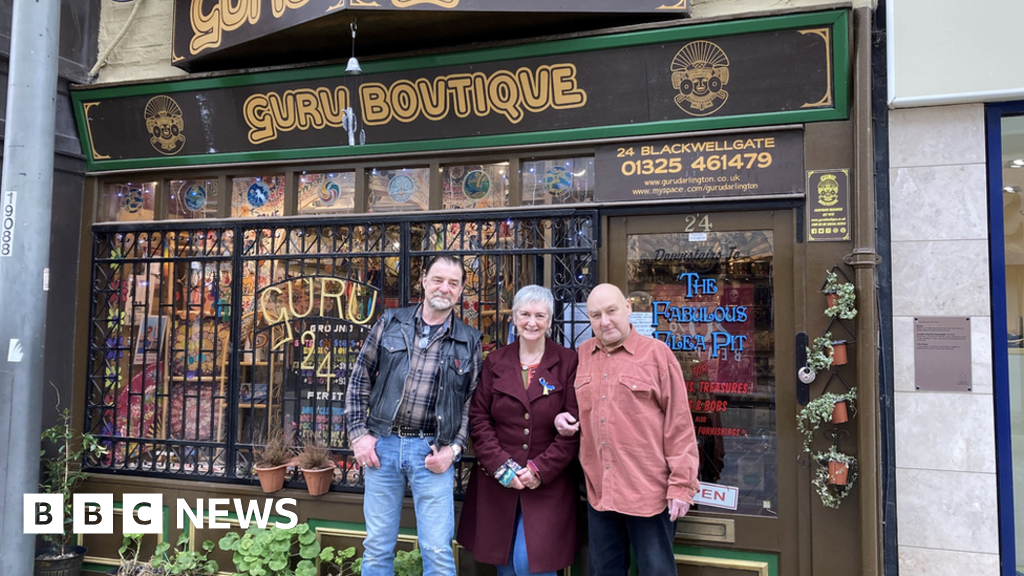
(271, 460)
(841, 298)
(62, 474)
(821, 410)
(835, 476)
(316, 464)
(269, 552)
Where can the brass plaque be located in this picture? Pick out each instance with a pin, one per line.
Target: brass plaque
(707, 529)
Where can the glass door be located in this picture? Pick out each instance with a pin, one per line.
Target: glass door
(718, 289)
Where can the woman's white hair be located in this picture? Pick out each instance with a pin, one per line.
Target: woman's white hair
(533, 294)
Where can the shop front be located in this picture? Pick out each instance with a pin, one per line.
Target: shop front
(247, 230)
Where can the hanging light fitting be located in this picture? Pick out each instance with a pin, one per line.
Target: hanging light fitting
(353, 64)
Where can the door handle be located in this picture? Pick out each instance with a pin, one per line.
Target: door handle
(803, 391)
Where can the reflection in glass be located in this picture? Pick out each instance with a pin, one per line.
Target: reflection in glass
(475, 186)
(709, 297)
(192, 199)
(1013, 235)
(329, 193)
(127, 202)
(257, 196)
(557, 181)
(399, 190)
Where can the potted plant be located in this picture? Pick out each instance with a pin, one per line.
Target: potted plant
(128, 555)
(269, 552)
(62, 474)
(271, 460)
(828, 407)
(181, 561)
(819, 354)
(316, 464)
(841, 298)
(839, 357)
(835, 476)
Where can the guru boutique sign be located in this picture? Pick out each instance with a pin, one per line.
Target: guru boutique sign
(650, 82)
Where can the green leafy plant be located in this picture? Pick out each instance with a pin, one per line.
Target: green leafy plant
(62, 474)
(843, 306)
(819, 354)
(408, 563)
(818, 412)
(832, 494)
(270, 552)
(181, 561)
(128, 554)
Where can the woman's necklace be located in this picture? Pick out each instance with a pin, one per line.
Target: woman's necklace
(526, 364)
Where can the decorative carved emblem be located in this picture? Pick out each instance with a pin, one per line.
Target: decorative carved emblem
(828, 190)
(700, 71)
(165, 124)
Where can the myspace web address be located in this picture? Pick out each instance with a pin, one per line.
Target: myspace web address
(692, 185)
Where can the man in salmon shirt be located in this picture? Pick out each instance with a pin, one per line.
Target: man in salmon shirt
(637, 444)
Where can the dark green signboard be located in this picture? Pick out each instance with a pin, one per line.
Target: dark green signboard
(768, 71)
(754, 164)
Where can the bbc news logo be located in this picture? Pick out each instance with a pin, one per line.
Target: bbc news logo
(144, 513)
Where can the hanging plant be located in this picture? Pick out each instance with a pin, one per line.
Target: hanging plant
(820, 411)
(819, 354)
(831, 465)
(841, 298)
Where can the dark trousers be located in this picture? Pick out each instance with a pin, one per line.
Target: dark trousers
(611, 534)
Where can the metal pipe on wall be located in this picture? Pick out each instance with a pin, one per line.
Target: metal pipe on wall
(27, 190)
(864, 260)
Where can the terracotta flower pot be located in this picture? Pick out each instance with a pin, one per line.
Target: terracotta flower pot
(837, 472)
(839, 353)
(839, 412)
(831, 298)
(272, 479)
(318, 481)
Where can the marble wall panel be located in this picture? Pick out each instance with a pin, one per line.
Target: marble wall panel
(940, 278)
(939, 203)
(955, 511)
(937, 136)
(945, 431)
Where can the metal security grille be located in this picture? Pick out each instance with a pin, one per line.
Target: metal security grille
(204, 339)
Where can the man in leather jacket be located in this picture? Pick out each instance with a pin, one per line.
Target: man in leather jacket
(407, 417)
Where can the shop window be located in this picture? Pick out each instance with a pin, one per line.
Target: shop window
(127, 202)
(327, 193)
(399, 190)
(257, 196)
(709, 297)
(474, 186)
(557, 181)
(191, 199)
(163, 394)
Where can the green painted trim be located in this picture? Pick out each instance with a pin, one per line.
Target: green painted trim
(838, 19)
(315, 523)
(771, 559)
(525, 138)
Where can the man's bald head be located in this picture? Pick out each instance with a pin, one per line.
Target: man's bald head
(609, 310)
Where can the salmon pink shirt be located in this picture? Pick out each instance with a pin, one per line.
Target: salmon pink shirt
(637, 444)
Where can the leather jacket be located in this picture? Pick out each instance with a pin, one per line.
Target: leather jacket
(456, 377)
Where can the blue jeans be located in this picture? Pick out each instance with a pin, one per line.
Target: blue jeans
(611, 534)
(401, 461)
(518, 564)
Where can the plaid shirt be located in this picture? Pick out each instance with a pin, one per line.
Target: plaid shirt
(419, 397)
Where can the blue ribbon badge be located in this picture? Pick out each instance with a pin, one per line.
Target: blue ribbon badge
(547, 387)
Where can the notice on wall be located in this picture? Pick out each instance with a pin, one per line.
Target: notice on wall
(828, 205)
(942, 354)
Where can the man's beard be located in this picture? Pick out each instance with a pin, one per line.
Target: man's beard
(441, 304)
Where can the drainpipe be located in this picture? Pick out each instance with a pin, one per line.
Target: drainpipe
(864, 259)
(27, 190)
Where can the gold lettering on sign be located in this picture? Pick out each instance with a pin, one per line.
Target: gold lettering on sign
(502, 92)
(302, 109)
(227, 15)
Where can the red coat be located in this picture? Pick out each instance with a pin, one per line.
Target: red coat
(500, 414)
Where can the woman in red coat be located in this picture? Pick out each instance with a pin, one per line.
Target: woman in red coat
(520, 507)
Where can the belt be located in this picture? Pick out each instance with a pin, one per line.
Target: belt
(410, 432)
